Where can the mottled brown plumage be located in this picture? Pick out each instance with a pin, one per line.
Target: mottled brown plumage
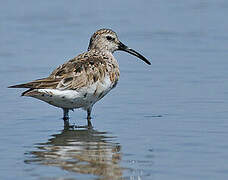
(83, 70)
(85, 79)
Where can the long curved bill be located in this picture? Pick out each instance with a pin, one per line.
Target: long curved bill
(123, 47)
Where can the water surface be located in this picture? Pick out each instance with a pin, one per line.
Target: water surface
(164, 121)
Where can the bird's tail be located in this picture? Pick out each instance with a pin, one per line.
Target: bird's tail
(21, 86)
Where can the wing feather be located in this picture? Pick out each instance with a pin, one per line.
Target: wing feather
(78, 72)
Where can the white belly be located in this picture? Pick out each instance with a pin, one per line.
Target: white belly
(84, 97)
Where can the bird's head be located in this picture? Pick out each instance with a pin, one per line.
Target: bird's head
(107, 40)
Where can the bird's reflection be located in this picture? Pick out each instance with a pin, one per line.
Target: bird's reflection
(85, 151)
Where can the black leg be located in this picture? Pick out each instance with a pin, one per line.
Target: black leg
(65, 114)
(66, 119)
(89, 118)
(66, 124)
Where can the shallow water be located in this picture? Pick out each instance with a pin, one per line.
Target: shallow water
(165, 121)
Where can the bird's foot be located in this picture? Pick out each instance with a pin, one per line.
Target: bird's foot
(86, 127)
(67, 125)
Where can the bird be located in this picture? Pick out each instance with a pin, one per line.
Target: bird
(84, 79)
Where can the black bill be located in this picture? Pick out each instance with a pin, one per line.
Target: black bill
(123, 47)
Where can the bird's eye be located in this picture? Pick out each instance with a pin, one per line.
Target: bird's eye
(109, 38)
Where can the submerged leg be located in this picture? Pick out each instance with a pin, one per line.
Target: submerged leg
(89, 117)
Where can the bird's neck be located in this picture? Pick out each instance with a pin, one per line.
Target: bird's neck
(107, 54)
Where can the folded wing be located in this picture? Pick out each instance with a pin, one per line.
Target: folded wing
(78, 72)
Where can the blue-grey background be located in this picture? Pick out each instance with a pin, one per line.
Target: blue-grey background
(164, 121)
